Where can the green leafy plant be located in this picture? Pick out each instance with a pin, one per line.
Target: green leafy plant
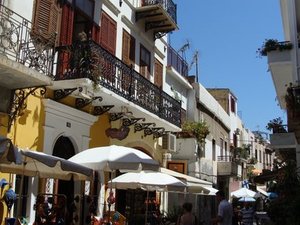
(273, 45)
(199, 130)
(276, 125)
(242, 152)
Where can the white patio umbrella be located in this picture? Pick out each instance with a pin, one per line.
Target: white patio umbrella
(247, 199)
(148, 181)
(113, 157)
(242, 193)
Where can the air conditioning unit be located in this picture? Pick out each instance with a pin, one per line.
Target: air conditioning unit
(169, 142)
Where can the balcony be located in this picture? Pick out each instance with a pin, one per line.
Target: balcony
(281, 68)
(160, 16)
(228, 167)
(25, 61)
(284, 141)
(177, 62)
(120, 85)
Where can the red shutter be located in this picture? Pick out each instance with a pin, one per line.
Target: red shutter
(96, 33)
(67, 24)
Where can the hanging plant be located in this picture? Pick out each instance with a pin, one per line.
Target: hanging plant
(273, 45)
(199, 130)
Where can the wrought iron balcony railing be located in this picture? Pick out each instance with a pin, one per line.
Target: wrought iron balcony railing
(168, 6)
(18, 43)
(89, 60)
(177, 62)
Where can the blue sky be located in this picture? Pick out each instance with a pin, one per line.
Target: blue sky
(227, 35)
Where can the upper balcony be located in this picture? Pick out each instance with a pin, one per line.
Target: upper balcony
(25, 61)
(228, 167)
(120, 85)
(160, 16)
(280, 56)
(284, 140)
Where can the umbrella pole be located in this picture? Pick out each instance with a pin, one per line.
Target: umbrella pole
(146, 211)
(21, 191)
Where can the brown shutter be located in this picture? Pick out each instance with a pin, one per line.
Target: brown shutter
(108, 32)
(132, 50)
(67, 25)
(46, 22)
(158, 74)
(126, 47)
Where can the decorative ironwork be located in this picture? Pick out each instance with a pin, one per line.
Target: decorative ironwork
(19, 102)
(142, 126)
(130, 121)
(158, 132)
(82, 102)
(99, 110)
(18, 42)
(62, 93)
(115, 116)
(103, 67)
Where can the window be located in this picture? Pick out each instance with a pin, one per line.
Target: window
(222, 148)
(46, 20)
(108, 32)
(128, 48)
(232, 104)
(86, 6)
(145, 62)
(214, 150)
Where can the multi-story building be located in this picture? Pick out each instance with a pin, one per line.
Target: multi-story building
(283, 62)
(80, 74)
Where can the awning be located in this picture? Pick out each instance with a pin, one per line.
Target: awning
(194, 185)
(32, 163)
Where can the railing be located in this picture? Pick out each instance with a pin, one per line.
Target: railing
(224, 158)
(177, 62)
(18, 43)
(168, 5)
(89, 60)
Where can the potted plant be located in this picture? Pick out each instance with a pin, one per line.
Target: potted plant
(273, 45)
(276, 125)
(199, 130)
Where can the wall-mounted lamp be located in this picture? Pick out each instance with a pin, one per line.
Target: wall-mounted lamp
(120, 3)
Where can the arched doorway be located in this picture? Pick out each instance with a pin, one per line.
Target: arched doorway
(64, 148)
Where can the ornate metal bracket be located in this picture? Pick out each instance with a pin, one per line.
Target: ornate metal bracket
(62, 93)
(130, 121)
(80, 102)
(158, 132)
(142, 126)
(99, 110)
(19, 102)
(115, 116)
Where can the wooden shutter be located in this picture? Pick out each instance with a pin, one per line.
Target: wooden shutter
(67, 24)
(158, 74)
(108, 32)
(96, 33)
(46, 21)
(128, 48)
(145, 62)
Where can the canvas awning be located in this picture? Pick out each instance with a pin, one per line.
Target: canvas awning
(32, 163)
(194, 185)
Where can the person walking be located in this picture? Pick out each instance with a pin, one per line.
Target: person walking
(247, 214)
(225, 211)
(187, 217)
